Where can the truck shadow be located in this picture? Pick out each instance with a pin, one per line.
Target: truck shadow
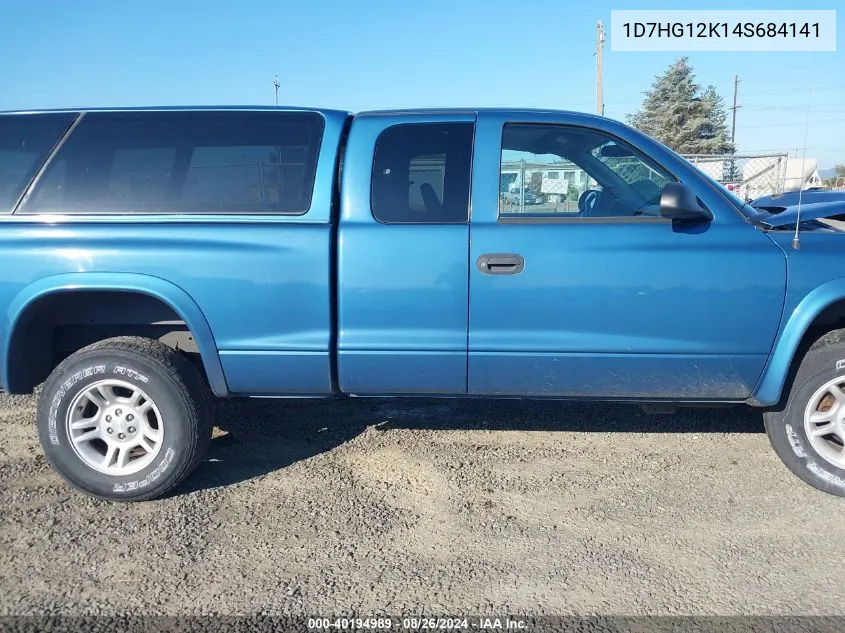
(255, 437)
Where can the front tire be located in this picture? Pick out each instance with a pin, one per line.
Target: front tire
(808, 434)
(125, 419)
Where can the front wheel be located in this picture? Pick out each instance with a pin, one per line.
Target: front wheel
(124, 419)
(808, 434)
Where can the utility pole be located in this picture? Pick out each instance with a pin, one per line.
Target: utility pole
(599, 88)
(276, 86)
(733, 175)
(734, 108)
(522, 185)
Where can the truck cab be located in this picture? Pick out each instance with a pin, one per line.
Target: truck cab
(464, 296)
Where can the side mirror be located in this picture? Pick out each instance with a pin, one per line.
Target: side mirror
(678, 202)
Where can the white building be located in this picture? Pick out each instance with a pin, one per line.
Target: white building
(551, 180)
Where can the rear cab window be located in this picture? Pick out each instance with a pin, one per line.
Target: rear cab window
(26, 141)
(422, 172)
(183, 162)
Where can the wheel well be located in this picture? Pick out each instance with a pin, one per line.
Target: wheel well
(828, 320)
(54, 327)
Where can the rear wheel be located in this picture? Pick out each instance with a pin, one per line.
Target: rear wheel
(808, 434)
(125, 419)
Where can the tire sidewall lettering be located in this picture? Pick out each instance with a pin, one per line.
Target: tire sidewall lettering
(813, 466)
(831, 478)
(163, 465)
(795, 442)
(131, 374)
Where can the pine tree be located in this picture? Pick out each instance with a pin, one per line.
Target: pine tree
(676, 113)
(716, 138)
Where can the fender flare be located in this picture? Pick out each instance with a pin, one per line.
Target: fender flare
(770, 386)
(165, 291)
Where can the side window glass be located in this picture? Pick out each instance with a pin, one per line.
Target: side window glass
(636, 172)
(421, 173)
(26, 141)
(563, 171)
(183, 163)
(140, 174)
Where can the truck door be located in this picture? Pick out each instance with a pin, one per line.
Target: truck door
(402, 287)
(584, 290)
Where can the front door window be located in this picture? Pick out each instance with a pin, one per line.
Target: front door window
(575, 172)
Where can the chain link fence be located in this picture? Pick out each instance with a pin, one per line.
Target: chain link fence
(751, 175)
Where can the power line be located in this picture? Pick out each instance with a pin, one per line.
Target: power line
(791, 108)
(787, 123)
(789, 90)
(794, 148)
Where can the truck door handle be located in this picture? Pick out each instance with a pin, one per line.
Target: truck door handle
(500, 264)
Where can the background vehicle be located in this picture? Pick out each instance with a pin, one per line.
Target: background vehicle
(515, 196)
(152, 258)
(775, 203)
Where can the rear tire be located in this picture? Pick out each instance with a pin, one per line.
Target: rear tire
(125, 419)
(808, 433)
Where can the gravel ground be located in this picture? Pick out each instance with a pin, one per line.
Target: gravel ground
(397, 506)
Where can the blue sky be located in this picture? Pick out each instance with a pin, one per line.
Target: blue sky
(380, 54)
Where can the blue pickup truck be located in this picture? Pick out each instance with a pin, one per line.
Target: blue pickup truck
(152, 259)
